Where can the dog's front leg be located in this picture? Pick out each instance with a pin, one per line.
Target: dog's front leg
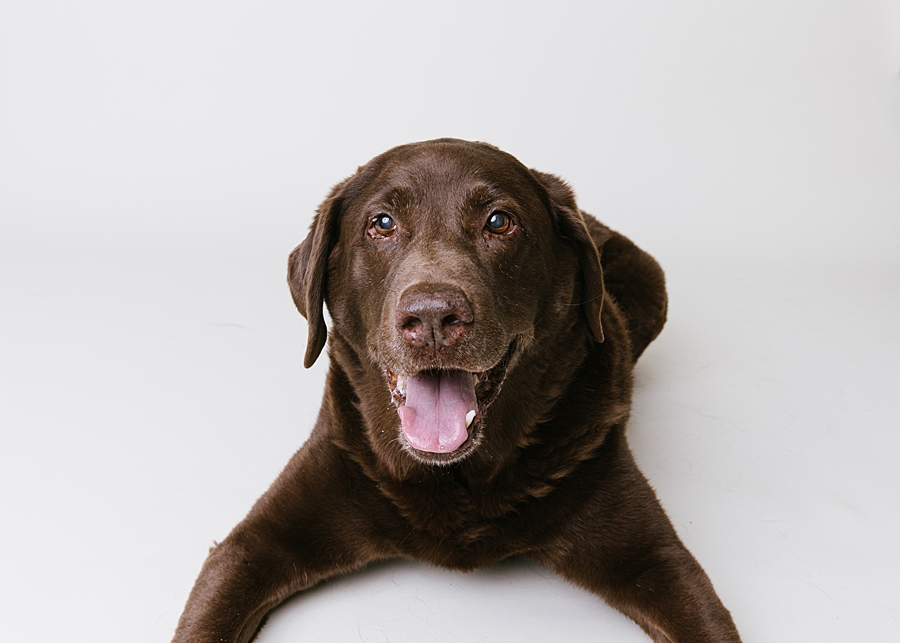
(621, 546)
(307, 527)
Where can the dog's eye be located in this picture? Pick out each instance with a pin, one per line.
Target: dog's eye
(383, 225)
(499, 222)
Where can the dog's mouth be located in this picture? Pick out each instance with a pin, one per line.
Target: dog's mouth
(441, 409)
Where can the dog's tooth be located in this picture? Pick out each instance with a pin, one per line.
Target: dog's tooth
(469, 417)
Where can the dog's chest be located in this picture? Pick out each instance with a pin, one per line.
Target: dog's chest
(462, 526)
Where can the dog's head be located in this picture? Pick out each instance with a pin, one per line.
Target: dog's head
(441, 263)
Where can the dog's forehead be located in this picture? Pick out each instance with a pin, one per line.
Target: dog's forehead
(447, 173)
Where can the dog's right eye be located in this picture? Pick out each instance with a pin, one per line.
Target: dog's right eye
(383, 225)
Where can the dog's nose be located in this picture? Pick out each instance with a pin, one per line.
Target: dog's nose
(435, 317)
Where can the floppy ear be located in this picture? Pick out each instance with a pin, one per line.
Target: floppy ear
(571, 226)
(307, 268)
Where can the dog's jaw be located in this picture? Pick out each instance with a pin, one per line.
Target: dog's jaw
(487, 386)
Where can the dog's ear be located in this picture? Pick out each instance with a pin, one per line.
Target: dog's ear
(571, 226)
(307, 269)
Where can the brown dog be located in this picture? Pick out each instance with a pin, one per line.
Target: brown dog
(476, 402)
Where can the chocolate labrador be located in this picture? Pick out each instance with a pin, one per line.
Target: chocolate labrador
(483, 338)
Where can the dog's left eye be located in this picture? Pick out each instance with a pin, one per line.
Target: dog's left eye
(383, 225)
(499, 222)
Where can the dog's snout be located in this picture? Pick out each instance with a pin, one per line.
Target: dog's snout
(436, 317)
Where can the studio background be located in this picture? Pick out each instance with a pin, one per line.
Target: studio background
(158, 162)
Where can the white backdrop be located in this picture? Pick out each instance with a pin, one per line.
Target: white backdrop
(158, 161)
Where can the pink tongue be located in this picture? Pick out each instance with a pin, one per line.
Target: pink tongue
(434, 416)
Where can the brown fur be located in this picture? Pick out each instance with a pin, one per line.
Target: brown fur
(546, 473)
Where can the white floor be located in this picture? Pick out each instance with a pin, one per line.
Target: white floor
(158, 163)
